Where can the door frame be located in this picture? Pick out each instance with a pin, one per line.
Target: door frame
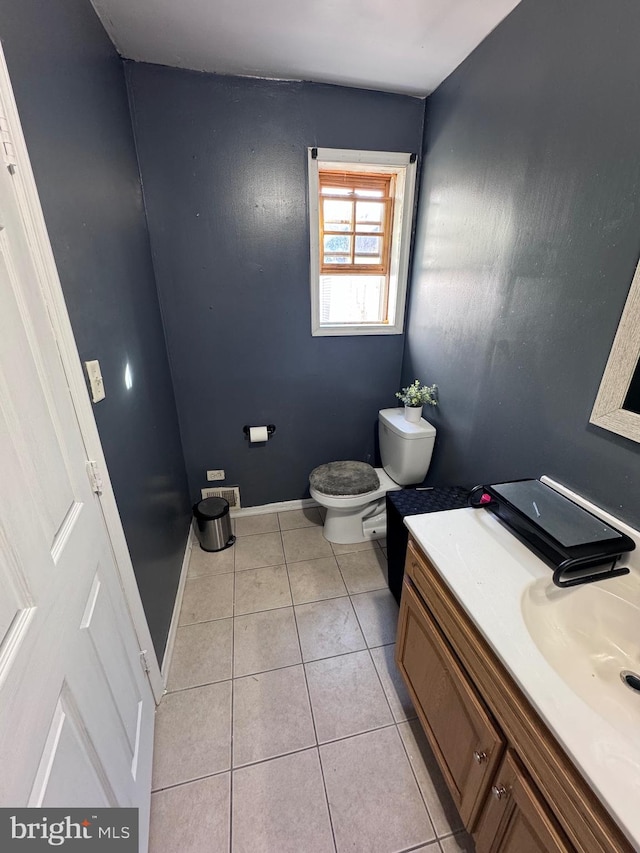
(14, 153)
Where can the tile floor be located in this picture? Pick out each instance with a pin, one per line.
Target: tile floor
(286, 727)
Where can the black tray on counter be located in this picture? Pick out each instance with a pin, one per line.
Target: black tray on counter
(576, 544)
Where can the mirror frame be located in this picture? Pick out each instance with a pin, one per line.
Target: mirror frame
(608, 411)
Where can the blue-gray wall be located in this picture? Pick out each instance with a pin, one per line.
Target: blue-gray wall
(71, 93)
(528, 237)
(223, 163)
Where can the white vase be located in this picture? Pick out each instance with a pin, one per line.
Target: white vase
(413, 414)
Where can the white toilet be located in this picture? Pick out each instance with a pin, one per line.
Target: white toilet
(354, 492)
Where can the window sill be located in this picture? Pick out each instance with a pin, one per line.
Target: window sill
(373, 329)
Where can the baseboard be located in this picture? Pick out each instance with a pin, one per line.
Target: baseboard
(281, 506)
(175, 616)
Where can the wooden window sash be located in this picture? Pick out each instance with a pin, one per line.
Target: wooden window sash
(355, 181)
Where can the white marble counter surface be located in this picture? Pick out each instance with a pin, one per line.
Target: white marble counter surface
(489, 571)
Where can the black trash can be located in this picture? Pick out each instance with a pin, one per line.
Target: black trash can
(213, 524)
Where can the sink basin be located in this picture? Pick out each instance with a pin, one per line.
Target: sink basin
(590, 634)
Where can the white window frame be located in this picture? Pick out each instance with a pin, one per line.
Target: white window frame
(384, 162)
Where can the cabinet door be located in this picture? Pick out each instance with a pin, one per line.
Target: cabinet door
(465, 741)
(515, 818)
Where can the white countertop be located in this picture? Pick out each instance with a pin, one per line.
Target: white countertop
(488, 570)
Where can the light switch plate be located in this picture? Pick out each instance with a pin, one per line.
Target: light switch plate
(95, 380)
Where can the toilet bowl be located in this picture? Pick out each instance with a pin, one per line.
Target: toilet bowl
(353, 493)
(356, 518)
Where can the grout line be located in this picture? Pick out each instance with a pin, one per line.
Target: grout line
(280, 530)
(260, 761)
(189, 781)
(326, 797)
(203, 621)
(366, 642)
(313, 719)
(306, 749)
(263, 671)
(233, 671)
(259, 568)
(435, 844)
(415, 776)
(206, 622)
(209, 575)
(384, 692)
(309, 559)
(295, 620)
(197, 686)
(289, 665)
(357, 734)
(284, 606)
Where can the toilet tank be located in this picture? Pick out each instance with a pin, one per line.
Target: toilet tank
(405, 448)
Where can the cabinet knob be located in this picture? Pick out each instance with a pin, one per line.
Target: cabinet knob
(480, 756)
(499, 792)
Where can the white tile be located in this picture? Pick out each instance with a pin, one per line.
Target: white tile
(193, 734)
(202, 654)
(207, 598)
(394, 687)
(444, 815)
(374, 800)
(266, 640)
(279, 806)
(346, 696)
(191, 818)
(263, 549)
(210, 562)
(262, 589)
(295, 518)
(378, 616)
(315, 580)
(369, 545)
(305, 543)
(250, 525)
(271, 715)
(364, 570)
(328, 628)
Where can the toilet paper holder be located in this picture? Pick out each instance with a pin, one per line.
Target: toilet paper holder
(271, 428)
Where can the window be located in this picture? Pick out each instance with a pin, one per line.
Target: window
(361, 207)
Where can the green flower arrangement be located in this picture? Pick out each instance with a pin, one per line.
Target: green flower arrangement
(419, 395)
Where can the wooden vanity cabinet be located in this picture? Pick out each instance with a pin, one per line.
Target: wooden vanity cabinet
(467, 744)
(516, 790)
(515, 818)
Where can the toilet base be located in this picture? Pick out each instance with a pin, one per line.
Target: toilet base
(346, 527)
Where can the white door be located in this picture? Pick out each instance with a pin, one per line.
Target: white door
(76, 708)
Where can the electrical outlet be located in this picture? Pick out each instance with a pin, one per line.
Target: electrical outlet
(215, 475)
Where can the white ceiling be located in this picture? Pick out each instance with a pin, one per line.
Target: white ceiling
(406, 46)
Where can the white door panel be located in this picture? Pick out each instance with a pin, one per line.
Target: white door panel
(76, 708)
(30, 415)
(68, 745)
